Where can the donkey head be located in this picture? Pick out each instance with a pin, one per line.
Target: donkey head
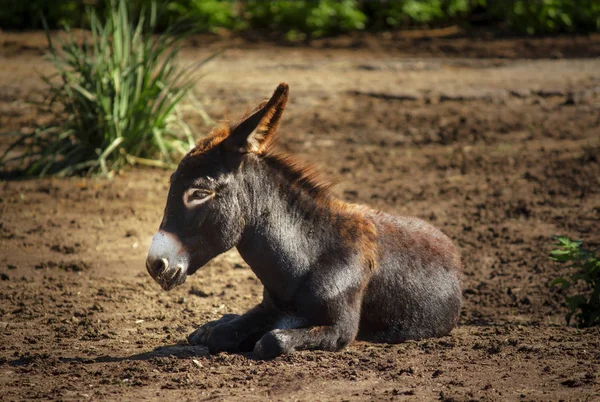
(208, 199)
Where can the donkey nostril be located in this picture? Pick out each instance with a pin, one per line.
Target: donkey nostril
(159, 266)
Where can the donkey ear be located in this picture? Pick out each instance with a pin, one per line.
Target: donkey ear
(257, 131)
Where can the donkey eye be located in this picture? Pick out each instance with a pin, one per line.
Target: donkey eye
(197, 196)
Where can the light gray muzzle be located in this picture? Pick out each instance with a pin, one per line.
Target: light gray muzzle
(167, 260)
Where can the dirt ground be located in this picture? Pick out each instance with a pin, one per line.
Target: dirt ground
(494, 141)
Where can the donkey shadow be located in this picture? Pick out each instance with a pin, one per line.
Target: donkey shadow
(179, 351)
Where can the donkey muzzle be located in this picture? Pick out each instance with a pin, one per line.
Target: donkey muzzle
(167, 260)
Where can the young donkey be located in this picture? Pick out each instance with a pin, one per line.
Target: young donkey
(331, 271)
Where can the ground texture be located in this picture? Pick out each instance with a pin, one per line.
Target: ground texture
(494, 141)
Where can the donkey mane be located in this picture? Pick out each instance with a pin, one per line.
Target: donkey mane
(299, 174)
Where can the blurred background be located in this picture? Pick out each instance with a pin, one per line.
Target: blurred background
(297, 20)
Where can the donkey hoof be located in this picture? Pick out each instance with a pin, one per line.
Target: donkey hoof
(271, 345)
(223, 338)
(199, 336)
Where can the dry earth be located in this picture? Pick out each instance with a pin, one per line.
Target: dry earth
(494, 141)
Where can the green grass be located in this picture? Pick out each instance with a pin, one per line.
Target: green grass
(119, 90)
(582, 300)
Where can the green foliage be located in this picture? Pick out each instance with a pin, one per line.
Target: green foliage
(585, 268)
(548, 16)
(398, 13)
(118, 90)
(206, 15)
(315, 18)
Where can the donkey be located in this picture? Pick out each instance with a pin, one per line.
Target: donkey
(332, 271)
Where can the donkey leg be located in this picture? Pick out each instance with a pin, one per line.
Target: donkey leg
(282, 341)
(200, 335)
(241, 333)
(326, 337)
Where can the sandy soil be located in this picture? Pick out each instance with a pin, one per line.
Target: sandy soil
(494, 141)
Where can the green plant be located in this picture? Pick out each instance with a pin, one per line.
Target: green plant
(206, 15)
(585, 268)
(420, 12)
(547, 16)
(300, 18)
(118, 91)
